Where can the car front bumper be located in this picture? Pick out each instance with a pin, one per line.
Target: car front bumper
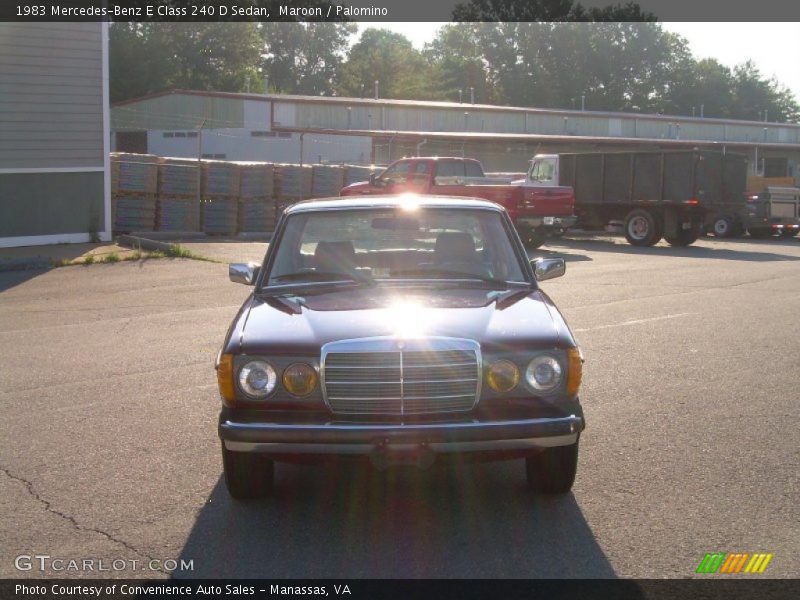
(366, 438)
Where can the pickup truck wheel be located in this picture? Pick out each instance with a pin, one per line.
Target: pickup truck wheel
(684, 237)
(787, 233)
(642, 228)
(531, 239)
(248, 475)
(552, 470)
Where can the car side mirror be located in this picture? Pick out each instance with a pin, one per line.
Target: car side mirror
(244, 273)
(548, 268)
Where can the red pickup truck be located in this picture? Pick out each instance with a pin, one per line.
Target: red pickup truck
(537, 211)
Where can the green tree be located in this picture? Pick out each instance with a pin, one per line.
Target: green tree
(305, 58)
(458, 64)
(151, 57)
(389, 58)
(546, 10)
(753, 94)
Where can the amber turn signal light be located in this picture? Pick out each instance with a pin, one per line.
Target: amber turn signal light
(574, 370)
(227, 389)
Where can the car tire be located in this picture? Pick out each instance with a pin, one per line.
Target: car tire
(684, 237)
(552, 470)
(642, 228)
(248, 475)
(760, 233)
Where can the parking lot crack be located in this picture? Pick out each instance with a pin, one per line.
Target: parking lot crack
(48, 506)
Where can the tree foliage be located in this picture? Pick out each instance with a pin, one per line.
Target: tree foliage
(305, 58)
(389, 58)
(613, 66)
(150, 57)
(546, 10)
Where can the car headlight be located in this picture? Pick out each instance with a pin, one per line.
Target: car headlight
(299, 379)
(544, 373)
(257, 379)
(502, 376)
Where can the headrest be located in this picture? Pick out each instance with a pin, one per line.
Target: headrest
(335, 256)
(455, 246)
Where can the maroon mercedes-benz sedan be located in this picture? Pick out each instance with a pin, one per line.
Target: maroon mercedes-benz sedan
(398, 328)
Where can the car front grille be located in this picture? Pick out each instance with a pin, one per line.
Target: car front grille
(386, 376)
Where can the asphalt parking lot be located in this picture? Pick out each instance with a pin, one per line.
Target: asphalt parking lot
(690, 389)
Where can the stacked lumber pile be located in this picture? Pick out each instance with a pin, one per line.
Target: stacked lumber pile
(256, 197)
(220, 205)
(292, 182)
(134, 183)
(178, 207)
(327, 180)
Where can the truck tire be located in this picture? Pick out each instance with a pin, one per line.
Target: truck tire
(723, 227)
(684, 237)
(643, 228)
(248, 475)
(787, 233)
(552, 470)
(760, 233)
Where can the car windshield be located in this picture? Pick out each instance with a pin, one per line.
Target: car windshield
(370, 246)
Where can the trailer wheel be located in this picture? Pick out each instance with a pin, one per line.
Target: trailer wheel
(642, 228)
(684, 237)
(723, 227)
(787, 232)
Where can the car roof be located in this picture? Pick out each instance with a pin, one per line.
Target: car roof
(396, 201)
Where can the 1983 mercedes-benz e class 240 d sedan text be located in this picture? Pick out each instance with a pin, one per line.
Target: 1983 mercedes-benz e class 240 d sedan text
(399, 329)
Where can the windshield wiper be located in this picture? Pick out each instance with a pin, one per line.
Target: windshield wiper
(461, 275)
(321, 277)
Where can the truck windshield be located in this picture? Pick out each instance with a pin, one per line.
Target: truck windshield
(542, 170)
(384, 245)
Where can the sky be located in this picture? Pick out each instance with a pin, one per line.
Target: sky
(773, 47)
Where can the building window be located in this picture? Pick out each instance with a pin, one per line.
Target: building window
(262, 133)
(180, 134)
(169, 134)
(220, 156)
(285, 135)
(192, 134)
(207, 156)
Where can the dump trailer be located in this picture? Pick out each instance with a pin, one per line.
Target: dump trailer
(666, 194)
(772, 207)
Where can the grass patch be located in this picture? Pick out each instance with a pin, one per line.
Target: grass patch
(88, 259)
(113, 257)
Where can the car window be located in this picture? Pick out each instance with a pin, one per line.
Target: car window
(449, 168)
(388, 244)
(397, 173)
(473, 169)
(420, 173)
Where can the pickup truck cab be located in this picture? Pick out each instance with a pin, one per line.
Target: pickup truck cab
(537, 211)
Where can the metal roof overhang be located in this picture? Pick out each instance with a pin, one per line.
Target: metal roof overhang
(537, 138)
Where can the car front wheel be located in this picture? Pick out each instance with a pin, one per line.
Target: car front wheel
(248, 475)
(552, 470)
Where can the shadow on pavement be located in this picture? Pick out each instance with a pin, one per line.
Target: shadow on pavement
(349, 520)
(695, 251)
(10, 279)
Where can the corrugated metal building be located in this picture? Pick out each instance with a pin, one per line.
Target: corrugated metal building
(358, 130)
(54, 132)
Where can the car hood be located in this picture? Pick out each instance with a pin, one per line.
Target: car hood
(302, 324)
